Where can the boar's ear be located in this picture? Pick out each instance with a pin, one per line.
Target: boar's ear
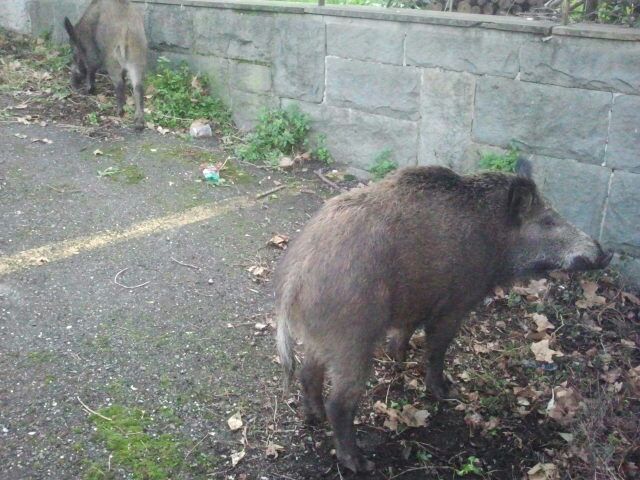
(522, 193)
(71, 31)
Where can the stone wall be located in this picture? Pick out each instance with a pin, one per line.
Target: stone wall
(433, 87)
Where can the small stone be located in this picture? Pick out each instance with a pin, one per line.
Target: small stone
(286, 162)
(210, 281)
(200, 129)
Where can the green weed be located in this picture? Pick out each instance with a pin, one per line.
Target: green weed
(321, 152)
(500, 162)
(179, 97)
(278, 133)
(129, 174)
(383, 164)
(126, 437)
(470, 467)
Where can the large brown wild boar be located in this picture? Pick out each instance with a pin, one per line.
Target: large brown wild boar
(110, 35)
(418, 249)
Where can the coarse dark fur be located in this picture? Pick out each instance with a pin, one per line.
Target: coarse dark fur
(418, 249)
(110, 35)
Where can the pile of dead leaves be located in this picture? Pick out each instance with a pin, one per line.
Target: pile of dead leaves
(561, 353)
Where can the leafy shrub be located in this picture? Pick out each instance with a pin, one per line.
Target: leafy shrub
(179, 97)
(279, 133)
(382, 165)
(321, 152)
(500, 162)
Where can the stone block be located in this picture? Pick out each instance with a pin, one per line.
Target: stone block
(628, 267)
(298, 57)
(577, 190)
(371, 41)
(622, 217)
(234, 34)
(584, 63)
(15, 16)
(355, 138)
(249, 77)
(543, 119)
(170, 26)
(623, 150)
(246, 107)
(446, 110)
(473, 50)
(375, 88)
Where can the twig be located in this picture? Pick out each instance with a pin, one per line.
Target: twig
(327, 181)
(269, 192)
(93, 412)
(115, 280)
(196, 445)
(185, 264)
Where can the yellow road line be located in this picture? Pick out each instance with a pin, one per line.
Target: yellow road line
(68, 248)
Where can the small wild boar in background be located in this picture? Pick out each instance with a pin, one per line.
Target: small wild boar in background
(418, 249)
(110, 36)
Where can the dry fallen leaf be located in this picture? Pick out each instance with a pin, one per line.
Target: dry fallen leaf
(589, 293)
(260, 326)
(542, 322)
(533, 291)
(543, 471)
(413, 417)
(273, 449)
(542, 351)
(279, 241)
(97, 152)
(235, 421)
(258, 271)
(236, 457)
(631, 297)
(564, 404)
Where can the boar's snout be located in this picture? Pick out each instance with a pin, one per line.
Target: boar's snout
(601, 259)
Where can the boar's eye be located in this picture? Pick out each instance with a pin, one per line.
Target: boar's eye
(548, 221)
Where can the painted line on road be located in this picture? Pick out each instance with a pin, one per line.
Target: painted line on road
(68, 248)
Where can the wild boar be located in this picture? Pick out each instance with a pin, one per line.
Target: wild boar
(110, 35)
(418, 249)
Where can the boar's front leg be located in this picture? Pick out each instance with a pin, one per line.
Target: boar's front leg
(348, 374)
(438, 336)
(399, 343)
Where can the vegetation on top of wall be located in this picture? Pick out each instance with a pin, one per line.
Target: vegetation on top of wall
(383, 164)
(501, 162)
(178, 97)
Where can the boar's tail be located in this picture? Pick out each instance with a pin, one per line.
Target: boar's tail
(285, 343)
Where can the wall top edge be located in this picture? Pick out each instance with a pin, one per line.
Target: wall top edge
(453, 19)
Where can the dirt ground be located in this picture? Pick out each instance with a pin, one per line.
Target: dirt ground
(136, 323)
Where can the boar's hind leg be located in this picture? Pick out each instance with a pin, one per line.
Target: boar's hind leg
(312, 380)
(348, 377)
(439, 335)
(135, 75)
(118, 80)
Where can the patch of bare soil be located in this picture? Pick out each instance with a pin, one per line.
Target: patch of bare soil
(35, 89)
(548, 376)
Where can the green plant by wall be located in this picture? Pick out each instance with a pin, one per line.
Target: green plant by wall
(279, 133)
(321, 152)
(178, 97)
(500, 162)
(383, 164)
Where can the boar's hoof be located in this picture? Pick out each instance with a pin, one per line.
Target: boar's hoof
(314, 418)
(440, 389)
(357, 463)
